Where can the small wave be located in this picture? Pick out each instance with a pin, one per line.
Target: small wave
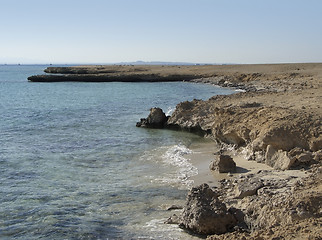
(156, 229)
(174, 155)
(169, 111)
(170, 166)
(184, 170)
(160, 230)
(240, 90)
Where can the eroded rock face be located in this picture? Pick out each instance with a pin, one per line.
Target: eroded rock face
(156, 119)
(287, 206)
(204, 213)
(223, 164)
(233, 120)
(283, 160)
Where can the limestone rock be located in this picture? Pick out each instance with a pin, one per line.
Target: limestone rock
(232, 137)
(278, 159)
(248, 187)
(305, 158)
(156, 119)
(317, 156)
(316, 143)
(223, 164)
(204, 213)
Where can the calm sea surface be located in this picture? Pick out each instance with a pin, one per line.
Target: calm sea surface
(74, 166)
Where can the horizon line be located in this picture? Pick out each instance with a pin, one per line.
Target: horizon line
(152, 63)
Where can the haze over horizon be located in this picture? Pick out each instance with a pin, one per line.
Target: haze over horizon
(203, 31)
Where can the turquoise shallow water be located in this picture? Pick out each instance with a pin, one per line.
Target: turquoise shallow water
(74, 166)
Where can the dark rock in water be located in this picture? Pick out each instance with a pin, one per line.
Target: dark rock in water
(156, 119)
(174, 219)
(205, 214)
(174, 207)
(223, 164)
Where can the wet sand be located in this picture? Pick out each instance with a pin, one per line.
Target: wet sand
(202, 155)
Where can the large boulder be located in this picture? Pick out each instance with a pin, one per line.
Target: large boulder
(278, 159)
(205, 214)
(223, 164)
(156, 119)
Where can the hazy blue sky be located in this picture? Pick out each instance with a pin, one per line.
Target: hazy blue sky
(204, 31)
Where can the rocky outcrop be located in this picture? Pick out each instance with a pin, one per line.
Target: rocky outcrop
(269, 203)
(277, 122)
(105, 77)
(117, 73)
(271, 131)
(205, 214)
(287, 206)
(223, 164)
(156, 119)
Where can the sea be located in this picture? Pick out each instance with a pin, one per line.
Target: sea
(73, 165)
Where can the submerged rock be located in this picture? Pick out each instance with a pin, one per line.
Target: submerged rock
(174, 219)
(156, 119)
(204, 213)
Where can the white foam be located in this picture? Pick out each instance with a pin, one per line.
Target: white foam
(169, 111)
(171, 166)
(240, 90)
(156, 229)
(174, 157)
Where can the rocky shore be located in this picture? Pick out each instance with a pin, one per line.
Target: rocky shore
(276, 121)
(223, 75)
(118, 73)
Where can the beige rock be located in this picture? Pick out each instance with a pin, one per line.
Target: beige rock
(247, 187)
(316, 144)
(223, 164)
(204, 213)
(278, 159)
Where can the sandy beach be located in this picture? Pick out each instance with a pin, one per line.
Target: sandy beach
(202, 155)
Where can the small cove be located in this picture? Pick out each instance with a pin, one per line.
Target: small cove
(73, 165)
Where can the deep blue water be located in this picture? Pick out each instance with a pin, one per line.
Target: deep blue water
(74, 166)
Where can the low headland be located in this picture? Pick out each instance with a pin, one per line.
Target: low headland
(275, 120)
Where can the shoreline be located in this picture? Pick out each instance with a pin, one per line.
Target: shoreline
(275, 129)
(202, 155)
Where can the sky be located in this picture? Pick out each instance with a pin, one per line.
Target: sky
(196, 31)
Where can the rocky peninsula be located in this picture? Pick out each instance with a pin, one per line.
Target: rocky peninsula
(118, 73)
(274, 120)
